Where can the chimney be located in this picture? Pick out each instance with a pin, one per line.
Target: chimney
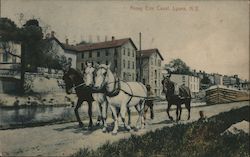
(47, 36)
(67, 41)
(52, 34)
(113, 38)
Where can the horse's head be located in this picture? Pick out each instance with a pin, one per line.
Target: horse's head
(69, 80)
(89, 75)
(102, 75)
(166, 81)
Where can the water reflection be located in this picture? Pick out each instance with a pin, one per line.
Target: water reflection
(36, 114)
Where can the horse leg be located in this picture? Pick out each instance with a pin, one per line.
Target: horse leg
(90, 114)
(145, 111)
(152, 111)
(78, 105)
(113, 109)
(129, 116)
(99, 118)
(123, 114)
(104, 116)
(180, 109)
(177, 112)
(140, 109)
(187, 104)
(169, 106)
(142, 104)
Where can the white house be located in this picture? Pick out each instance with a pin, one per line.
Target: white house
(6, 59)
(64, 49)
(8, 63)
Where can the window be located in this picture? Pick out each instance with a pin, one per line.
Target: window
(115, 62)
(133, 77)
(83, 55)
(155, 74)
(107, 62)
(124, 64)
(159, 62)
(133, 65)
(98, 62)
(128, 52)
(128, 64)
(124, 51)
(90, 54)
(133, 53)
(116, 51)
(5, 56)
(106, 52)
(13, 59)
(124, 75)
(98, 53)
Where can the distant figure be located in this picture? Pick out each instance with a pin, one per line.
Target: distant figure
(149, 103)
(16, 103)
(202, 116)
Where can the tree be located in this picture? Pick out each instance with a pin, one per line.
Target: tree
(178, 66)
(35, 52)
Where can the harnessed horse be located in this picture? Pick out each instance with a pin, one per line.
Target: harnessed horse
(74, 80)
(120, 94)
(184, 97)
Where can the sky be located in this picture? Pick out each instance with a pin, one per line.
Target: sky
(210, 36)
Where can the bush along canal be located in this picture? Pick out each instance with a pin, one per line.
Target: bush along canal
(200, 138)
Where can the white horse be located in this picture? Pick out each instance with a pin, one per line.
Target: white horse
(120, 94)
(99, 98)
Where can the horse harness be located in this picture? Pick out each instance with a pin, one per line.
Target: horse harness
(117, 90)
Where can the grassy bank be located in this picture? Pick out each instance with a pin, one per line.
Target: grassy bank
(182, 140)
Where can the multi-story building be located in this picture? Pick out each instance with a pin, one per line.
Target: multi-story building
(150, 65)
(218, 79)
(121, 53)
(190, 81)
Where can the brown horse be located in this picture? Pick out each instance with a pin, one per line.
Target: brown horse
(184, 97)
(74, 80)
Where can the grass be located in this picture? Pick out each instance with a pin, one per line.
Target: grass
(202, 139)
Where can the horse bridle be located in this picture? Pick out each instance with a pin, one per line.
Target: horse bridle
(115, 91)
(75, 86)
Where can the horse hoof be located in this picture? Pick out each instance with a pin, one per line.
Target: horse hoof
(90, 126)
(104, 130)
(81, 125)
(171, 118)
(128, 129)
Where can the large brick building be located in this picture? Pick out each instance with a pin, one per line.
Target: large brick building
(121, 53)
(151, 69)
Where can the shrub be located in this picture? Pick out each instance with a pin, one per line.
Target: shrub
(193, 139)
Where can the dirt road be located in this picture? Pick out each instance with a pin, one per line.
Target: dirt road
(66, 139)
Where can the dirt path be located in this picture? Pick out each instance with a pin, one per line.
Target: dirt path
(66, 139)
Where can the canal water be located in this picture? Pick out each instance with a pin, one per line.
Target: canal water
(28, 115)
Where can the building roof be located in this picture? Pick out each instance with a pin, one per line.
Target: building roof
(64, 45)
(104, 45)
(149, 52)
(94, 46)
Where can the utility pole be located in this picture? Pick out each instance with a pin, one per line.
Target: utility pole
(0, 8)
(140, 59)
